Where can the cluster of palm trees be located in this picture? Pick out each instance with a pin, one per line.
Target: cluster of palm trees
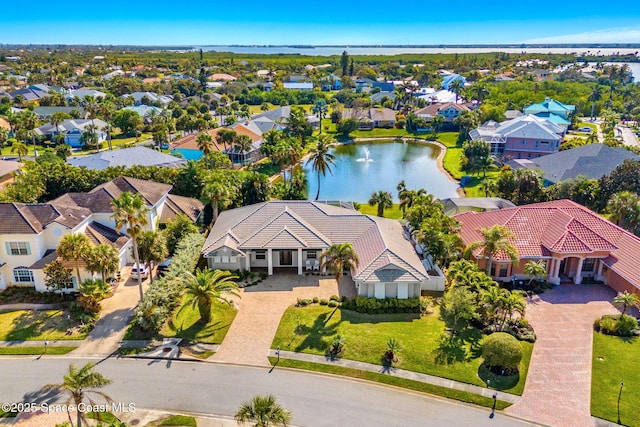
(624, 208)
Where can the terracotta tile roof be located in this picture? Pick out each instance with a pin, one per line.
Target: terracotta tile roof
(560, 226)
(189, 142)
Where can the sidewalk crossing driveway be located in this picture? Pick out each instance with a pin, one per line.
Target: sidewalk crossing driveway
(260, 309)
(558, 387)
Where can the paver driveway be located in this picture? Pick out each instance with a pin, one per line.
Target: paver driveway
(558, 388)
(261, 307)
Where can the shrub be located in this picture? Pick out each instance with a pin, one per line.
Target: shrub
(334, 298)
(163, 296)
(315, 300)
(380, 306)
(332, 304)
(502, 353)
(393, 347)
(620, 325)
(337, 347)
(324, 302)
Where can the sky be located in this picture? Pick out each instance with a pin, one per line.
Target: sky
(252, 22)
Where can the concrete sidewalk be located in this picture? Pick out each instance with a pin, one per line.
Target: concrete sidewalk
(400, 373)
(56, 343)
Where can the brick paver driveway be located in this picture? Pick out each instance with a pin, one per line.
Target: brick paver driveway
(260, 309)
(558, 388)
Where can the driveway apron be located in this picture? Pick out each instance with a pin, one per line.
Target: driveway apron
(558, 387)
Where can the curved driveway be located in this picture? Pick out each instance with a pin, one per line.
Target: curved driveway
(315, 400)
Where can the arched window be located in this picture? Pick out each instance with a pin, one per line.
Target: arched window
(22, 275)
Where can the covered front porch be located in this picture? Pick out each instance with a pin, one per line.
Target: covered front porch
(296, 260)
(574, 269)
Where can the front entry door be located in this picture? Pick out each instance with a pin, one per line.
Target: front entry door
(286, 258)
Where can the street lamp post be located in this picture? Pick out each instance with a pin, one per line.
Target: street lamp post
(619, 396)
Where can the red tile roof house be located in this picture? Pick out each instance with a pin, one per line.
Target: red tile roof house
(291, 235)
(574, 242)
(30, 232)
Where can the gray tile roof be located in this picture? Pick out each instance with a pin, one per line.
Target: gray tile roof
(380, 243)
(127, 157)
(592, 161)
(23, 218)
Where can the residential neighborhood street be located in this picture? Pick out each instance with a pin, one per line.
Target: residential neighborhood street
(315, 400)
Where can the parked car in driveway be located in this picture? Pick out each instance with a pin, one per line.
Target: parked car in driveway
(585, 129)
(139, 270)
(163, 267)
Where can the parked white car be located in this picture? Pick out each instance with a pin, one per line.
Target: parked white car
(585, 129)
(139, 270)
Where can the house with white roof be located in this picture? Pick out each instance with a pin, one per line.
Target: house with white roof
(152, 98)
(524, 137)
(72, 130)
(290, 236)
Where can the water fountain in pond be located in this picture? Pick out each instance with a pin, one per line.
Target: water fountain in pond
(366, 158)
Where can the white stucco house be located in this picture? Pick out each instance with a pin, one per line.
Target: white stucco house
(30, 233)
(291, 236)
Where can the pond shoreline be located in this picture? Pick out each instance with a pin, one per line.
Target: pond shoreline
(439, 159)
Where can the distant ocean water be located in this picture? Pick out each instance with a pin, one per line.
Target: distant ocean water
(337, 50)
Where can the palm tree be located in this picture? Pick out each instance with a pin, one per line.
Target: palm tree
(74, 247)
(321, 159)
(483, 164)
(625, 300)
(624, 208)
(456, 87)
(320, 109)
(264, 411)
(79, 384)
(409, 197)
(90, 137)
(496, 240)
(56, 119)
(493, 299)
(19, 148)
(217, 192)
(595, 95)
(207, 286)
(152, 248)
(513, 303)
(383, 199)
(130, 211)
(393, 347)
(243, 146)
(340, 257)
(436, 123)
(205, 143)
(535, 270)
(104, 259)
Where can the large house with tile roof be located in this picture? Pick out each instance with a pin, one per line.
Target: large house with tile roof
(524, 137)
(291, 235)
(574, 242)
(127, 157)
(30, 232)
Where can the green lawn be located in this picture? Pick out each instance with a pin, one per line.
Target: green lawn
(615, 360)
(38, 325)
(177, 420)
(184, 324)
(393, 213)
(23, 351)
(391, 380)
(426, 346)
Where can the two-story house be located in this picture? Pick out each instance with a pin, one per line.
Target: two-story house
(448, 110)
(30, 233)
(524, 137)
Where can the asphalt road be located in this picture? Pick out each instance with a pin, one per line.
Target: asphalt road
(628, 136)
(315, 400)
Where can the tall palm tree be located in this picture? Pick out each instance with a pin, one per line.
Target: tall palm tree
(152, 248)
(495, 241)
(130, 211)
(320, 108)
(625, 300)
(340, 257)
(217, 191)
(74, 247)
(456, 87)
(207, 286)
(57, 119)
(264, 411)
(78, 385)
(226, 137)
(321, 159)
(383, 199)
(104, 259)
(19, 148)
(409, 197)
(90, 137)
(243, 146)
(595, 96)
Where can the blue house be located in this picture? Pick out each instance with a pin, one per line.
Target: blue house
(551, 106)
(448, 79)
(72, 131)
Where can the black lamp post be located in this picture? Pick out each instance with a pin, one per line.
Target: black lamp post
(619, 396)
